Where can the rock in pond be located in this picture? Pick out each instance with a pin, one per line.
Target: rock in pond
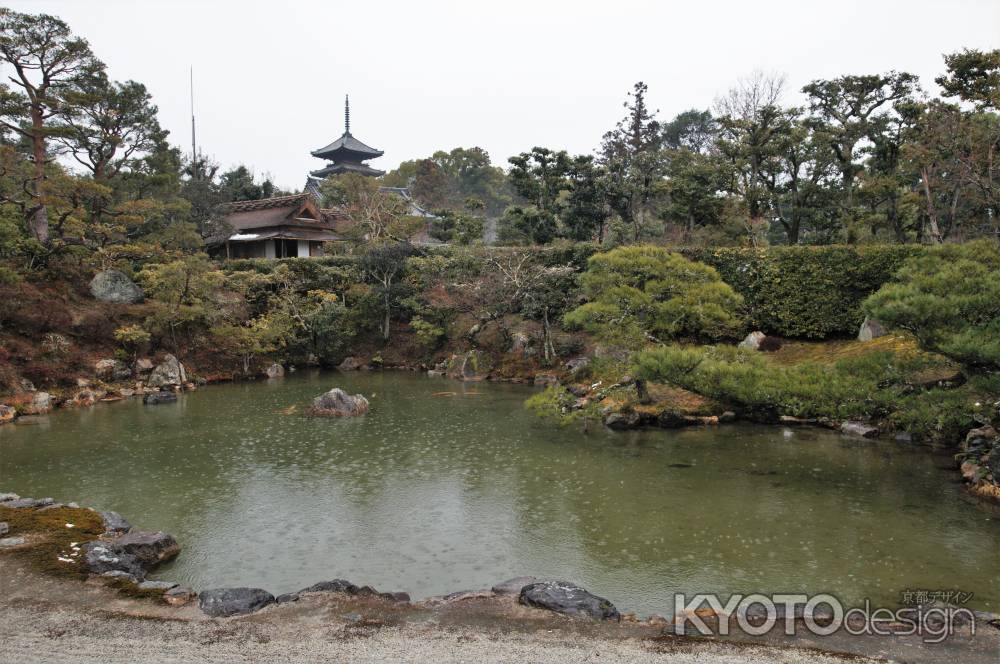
(157, 398)
(41, 403)
(168, 372)
(338, 403)
(567, 598)
(352, 364)
(4, 528)
(115, 523)
(100, 557)
(149, 548)
(858, 429)
(7, 542)
(622, 421)
(222, 602)
(7, 414)
(27, 503)
(275, 371)
(513, 586)
(115, 286)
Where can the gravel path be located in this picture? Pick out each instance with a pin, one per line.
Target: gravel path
(31, 635)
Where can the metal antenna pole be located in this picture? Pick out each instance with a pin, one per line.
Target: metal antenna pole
(194, 144)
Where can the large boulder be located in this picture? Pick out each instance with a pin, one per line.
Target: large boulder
(101, 557)
(149, 548)
(114, 286)
(871, 329)
(275, 370)
(7, 414)
(567, 598)
(221, 602)
(338, 403)
(110, 369)
(167, 373)
(41, 403)
(752, 340)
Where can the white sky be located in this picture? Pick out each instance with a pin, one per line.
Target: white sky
(423, 75)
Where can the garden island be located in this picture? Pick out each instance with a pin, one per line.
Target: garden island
(750, 348)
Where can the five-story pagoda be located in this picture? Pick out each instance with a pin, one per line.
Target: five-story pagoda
(346, 154)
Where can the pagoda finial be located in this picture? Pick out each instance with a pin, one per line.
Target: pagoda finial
(347, 114)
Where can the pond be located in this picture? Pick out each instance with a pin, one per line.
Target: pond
(447, 486)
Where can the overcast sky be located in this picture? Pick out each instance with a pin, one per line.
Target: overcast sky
(423, 75)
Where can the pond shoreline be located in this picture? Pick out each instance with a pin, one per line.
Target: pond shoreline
(93, 618)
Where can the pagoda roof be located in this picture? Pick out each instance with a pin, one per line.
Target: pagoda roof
(344, 145)
(346, 167)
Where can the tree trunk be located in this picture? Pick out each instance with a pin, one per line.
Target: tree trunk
(38, 223)
(547, 345)
(935, 232)
(642, 392)
(385, 323)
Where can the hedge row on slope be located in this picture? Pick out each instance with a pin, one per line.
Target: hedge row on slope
(812, 292)
(804, 291)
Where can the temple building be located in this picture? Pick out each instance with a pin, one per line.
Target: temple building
(280, 227)
(296, 226)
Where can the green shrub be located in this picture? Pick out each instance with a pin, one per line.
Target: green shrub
(556, 404)
(939, 415)
(749, 382)
(949, 299)
(429, 334)
(638, 292)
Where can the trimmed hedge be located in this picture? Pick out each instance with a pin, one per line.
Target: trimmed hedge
(810, 292)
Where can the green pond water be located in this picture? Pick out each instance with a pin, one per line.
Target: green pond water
(432, 493)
